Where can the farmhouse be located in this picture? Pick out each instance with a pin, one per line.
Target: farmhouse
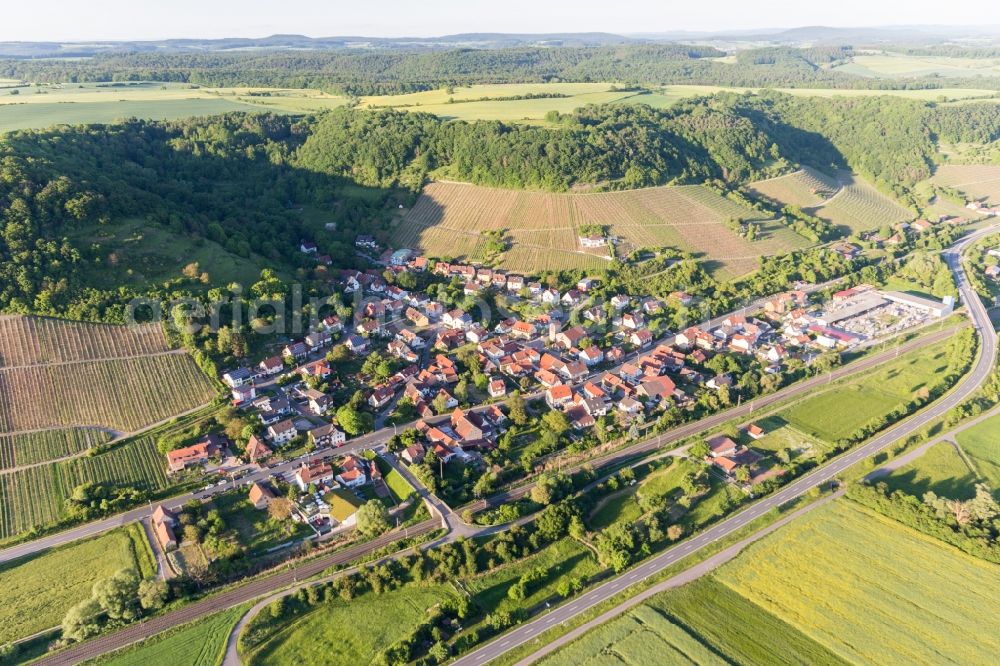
(163, 522)
(592, 241)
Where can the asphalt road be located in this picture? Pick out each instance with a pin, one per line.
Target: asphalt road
(985, 364)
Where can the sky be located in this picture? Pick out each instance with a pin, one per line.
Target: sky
(81, 20)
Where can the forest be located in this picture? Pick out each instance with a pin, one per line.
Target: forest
(374, 72)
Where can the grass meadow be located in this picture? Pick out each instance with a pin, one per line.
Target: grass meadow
(940, 470)
(349, 633)
(838, 412)
(982, 444)
(35, 599)
(200, 643)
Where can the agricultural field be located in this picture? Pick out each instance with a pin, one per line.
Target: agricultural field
(838, 412)
(35, 496)
(543, 228)
(858, 206)
(922, 601)
(982, 445)
(70, 104)
(641, 636)
(903, 65)
(979, 181)
(200, 643)
(123, 394)
(39, 340)
(805, 188)
(940, 470)
(349, 633)
(32, 448)
(35, 599)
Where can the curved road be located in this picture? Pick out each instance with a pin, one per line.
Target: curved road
(985, 364)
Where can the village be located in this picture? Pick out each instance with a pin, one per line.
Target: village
(443, 375)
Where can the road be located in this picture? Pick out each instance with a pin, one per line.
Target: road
(984, 365)
(370, 440)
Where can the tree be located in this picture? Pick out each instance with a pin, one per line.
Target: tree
(742, 474)
(675, 532)
(440, 403)
(372, 518)
(117, 594)
(700, 450)
(279, 509)
(555, 422)
(152, 594)
(354, 422)
(518, 411)
(82, 620)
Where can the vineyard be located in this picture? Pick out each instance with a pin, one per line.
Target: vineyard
(35, 496)
(804, 188)
(543, 228)
(31, 448)
(34, 340)
(859, 206)
(123, 394)
(978, 180)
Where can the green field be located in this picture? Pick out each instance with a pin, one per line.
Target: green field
(982, 444)
(71, 104)
(940, 470)
(34, 496)
(902, 65)
(566, 557)
(872, 590)
(200, 643)
(350, 633)
(38, 590)
(837, 413)
(37, 447)
(641, 636)
(150, 254)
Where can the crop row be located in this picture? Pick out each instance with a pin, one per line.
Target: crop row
(36, 447)
(36, 495)
(860, 206)
(37, 340)
(123, 394)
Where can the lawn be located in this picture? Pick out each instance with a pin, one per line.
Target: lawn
(872, 590)
(781, 435)
(982, 443)
(566, 557)
(38, 590)
(200, 643)
(838, 412)
(350, 633)
(398, 486)
(940, 470)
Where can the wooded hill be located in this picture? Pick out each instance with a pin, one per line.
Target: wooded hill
(233, 180)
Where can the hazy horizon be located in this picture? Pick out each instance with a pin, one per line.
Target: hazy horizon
(122, 20)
